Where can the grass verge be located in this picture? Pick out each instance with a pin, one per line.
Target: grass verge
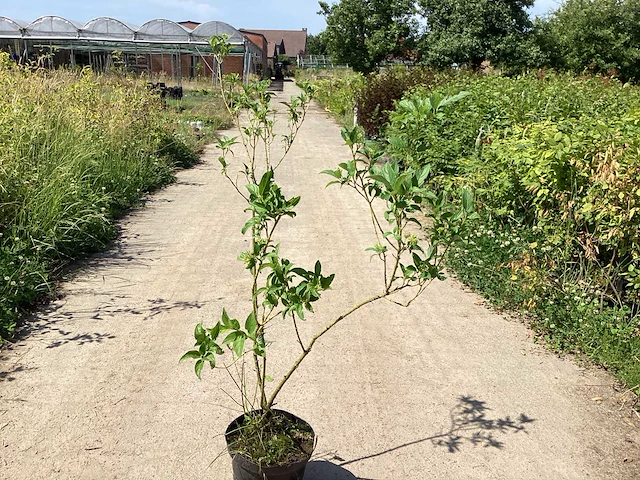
(76, 151)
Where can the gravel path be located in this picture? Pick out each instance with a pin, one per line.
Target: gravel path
(446, 389)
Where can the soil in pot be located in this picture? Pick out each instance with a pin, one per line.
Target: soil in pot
(276, 445)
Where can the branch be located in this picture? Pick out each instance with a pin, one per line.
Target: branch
(306, 350)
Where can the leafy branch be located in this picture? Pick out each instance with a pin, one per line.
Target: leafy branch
(398, 197)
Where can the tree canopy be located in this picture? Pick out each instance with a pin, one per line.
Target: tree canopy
(317, 44)
(362, 33)
(471, 31)
(596, 35)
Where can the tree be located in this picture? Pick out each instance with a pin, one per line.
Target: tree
(362, 33)
(598, 35)
(471, 31)
(317, 44)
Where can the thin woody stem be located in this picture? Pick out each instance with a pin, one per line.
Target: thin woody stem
(308, 348)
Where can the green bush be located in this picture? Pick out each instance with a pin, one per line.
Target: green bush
(555, 164)
(337, 94)
(380, 92)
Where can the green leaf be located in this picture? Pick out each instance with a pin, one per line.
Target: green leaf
(199, 333)
(251, 325)
(268, 378)
(230, 338)
(381, 179)
(226, 321)
(334, 173)
(198, 368)
(265, 181)
(467, 201)
(325, 282)
(259, 346)
(215, 331)
(211, 358)
(190, 354)
(301, 272)
(250, 223)
(253, 189)
(238, 344)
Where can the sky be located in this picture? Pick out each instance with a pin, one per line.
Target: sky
(275, 14)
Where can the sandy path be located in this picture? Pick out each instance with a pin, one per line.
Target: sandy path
(445, 389)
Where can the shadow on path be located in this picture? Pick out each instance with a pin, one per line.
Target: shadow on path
(469, 423)
(325, 470)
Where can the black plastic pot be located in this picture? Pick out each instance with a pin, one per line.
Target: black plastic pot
(245, 469)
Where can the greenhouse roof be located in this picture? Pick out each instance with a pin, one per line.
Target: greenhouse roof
(107, 29)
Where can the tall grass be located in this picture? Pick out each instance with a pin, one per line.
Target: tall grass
(76, 150)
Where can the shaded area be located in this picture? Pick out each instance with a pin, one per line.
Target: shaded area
(81, 339)
(325, 470)
(52, 319)
(470, 424)
(9, 374)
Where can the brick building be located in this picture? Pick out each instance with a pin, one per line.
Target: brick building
(289, 43)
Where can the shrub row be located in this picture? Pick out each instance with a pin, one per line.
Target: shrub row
(555, 164)
(376, 99)
(554, 161)
(336, 92)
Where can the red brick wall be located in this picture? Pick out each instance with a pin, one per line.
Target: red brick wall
(232, 64)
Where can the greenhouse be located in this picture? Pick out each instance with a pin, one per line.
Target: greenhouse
(158, 47)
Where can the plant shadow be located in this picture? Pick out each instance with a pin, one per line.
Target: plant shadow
(469, 423)
(325, 470)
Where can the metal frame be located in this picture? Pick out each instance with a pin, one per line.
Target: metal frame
(106, 34)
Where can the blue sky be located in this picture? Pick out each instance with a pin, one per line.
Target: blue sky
(276, 14)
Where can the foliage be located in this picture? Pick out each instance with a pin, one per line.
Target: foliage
(554, 162)
(75, 152)
(273, 439)
(317, 44)
(516, 268)
(282, 292)
(336, 91)
(600, 36)
(406, 138)
(362, 33)
(380, 92)
(467, 32)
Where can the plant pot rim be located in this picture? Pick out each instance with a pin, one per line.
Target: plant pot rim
(271, 469)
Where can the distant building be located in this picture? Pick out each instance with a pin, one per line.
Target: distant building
(159, 47)
(289, 43)
(255, 62)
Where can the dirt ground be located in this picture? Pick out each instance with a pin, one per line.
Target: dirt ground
(446, 389)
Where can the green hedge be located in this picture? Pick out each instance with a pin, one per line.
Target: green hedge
(555, 166)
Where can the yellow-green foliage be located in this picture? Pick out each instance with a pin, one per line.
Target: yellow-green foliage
(75, 151)
(555, 164)
(336, 91)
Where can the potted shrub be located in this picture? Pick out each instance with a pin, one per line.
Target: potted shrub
(266, 442)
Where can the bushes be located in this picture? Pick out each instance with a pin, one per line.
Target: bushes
(517, 268)
(555, 164)
(373, 97)
(75, 152)
(337, 93)
(380, 92)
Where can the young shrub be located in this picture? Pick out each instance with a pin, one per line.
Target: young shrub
(377, 98)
